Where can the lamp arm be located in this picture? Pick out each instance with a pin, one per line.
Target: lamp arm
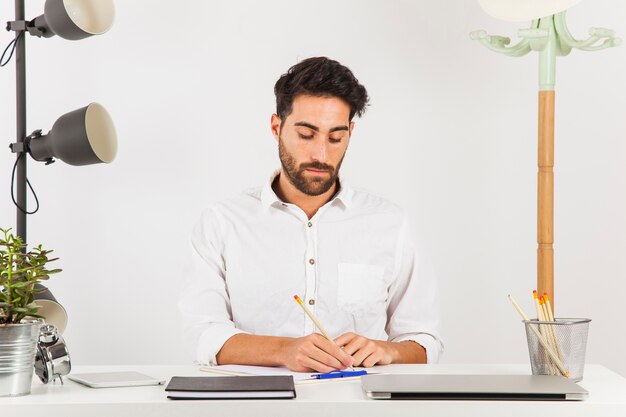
(38, 148)
(39, 27)
(499, 43)
(608, 43)
(607, 36)
(36, 27)
(530, 38)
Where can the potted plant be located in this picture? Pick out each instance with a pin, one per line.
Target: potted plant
(20, 272)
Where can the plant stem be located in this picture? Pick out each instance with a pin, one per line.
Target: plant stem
(8, 283)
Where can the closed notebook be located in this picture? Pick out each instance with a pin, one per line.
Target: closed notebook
(225, 387)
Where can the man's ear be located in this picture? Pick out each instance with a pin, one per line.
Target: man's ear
(275, 123)
(351, 127)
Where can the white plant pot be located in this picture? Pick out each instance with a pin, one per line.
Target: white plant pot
(18, 346)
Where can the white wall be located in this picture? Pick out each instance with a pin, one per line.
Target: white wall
(451, 134)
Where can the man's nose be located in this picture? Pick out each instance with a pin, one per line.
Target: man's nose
(320, 152)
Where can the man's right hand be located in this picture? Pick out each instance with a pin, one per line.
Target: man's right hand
(314, 353)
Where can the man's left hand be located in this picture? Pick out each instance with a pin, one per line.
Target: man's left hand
(366, 352)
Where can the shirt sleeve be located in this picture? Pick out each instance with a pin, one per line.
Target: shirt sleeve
(204, 303)
(413, 307)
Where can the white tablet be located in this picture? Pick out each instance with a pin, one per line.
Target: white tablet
(115, 379)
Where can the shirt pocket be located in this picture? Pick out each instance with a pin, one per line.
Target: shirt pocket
(360, 287)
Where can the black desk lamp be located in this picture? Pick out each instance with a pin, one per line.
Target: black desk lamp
(81, 137)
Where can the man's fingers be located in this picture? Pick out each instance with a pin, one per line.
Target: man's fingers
(326, 359)
(345, 338)
(354, 345)
(334, 351)
(372, 359)
(364, 351)
(325, 353)
(360, 356)
(316, 366)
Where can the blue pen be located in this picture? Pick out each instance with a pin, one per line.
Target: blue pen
(339, 374)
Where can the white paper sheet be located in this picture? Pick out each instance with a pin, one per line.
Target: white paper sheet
(267, 370)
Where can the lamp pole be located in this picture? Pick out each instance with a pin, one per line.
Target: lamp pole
(550, 37)
(20, 89)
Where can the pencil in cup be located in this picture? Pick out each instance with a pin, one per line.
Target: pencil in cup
(542, 340)
(314, 320)
(549, 316)
(543, 330)
(543, 300)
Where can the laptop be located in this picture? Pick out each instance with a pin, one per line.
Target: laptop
(471, 387)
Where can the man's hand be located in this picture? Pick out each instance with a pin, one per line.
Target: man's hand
(314, 353)
(366, 352)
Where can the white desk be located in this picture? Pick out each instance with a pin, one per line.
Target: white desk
(323, 399)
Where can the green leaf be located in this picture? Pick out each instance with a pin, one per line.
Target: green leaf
(26, 268)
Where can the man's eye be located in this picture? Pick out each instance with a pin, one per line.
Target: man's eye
(305, 136)
(334, 140)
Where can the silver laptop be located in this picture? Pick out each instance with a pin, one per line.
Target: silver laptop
(471, 387)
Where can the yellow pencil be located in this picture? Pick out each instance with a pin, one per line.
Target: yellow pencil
(312, 317)
(551, 318)
(314, 320)
(540, 338)
(536, 298)
(549, 306)
(543, 329)
(546, 329)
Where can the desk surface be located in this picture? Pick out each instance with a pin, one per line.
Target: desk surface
(607, 397)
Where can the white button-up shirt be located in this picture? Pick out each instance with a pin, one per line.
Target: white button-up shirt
(353, 263)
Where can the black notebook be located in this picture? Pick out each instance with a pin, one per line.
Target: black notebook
(225, 387)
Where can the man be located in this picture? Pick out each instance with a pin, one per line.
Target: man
(348, 254)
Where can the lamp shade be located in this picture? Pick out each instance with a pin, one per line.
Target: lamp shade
(50, 308)
(82, 137)
(522, 10)
(76, 19)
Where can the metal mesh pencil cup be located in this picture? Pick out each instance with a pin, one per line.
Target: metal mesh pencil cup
(561, 348)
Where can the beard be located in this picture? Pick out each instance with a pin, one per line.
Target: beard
(309, 185)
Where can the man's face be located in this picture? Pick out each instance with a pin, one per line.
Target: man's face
(312, 142)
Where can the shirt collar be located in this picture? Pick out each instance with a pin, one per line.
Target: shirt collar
(269, 197)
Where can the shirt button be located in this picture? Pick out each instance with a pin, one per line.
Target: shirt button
(311, 261)
(309, 224)
(311, 302)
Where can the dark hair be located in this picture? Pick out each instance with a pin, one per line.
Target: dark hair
(319, 77)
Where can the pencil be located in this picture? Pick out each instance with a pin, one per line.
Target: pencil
(543, 329)
(551, 318)
(541, 339)
(546, 329)
(312, 317)
(536, 299)
(549, 306)
(314, 320)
